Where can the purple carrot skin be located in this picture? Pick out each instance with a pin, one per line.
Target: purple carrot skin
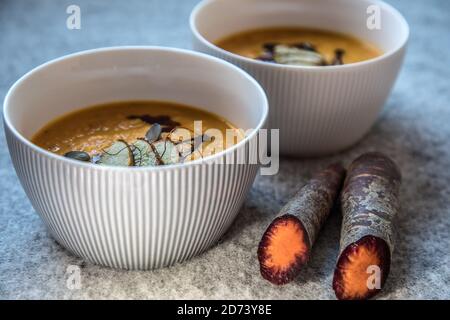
(369, 203)
(286, 245)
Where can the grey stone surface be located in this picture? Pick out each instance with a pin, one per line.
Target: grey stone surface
(414, 129)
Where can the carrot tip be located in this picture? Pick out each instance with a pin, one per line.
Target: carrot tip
(362, 269)
(283, 250)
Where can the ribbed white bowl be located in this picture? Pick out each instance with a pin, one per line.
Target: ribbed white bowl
(133, 218)
(318, 110)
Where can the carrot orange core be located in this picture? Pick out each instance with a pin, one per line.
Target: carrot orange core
(362, 267)
(286, 245)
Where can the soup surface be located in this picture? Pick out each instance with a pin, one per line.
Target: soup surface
(138, 133)
(299, 46)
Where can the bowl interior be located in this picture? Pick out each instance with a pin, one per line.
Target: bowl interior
(215, 19)
(133, 73)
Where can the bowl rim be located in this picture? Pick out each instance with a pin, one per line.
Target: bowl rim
(209, 159)
(202, 4)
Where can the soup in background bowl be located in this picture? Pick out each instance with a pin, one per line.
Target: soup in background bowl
(141, 217)
(317, 109)
(299, 46)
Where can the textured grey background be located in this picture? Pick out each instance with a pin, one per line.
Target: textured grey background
(414, 129)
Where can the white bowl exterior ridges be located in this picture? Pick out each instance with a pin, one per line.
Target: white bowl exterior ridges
(318, 110)
(115, 218)
(134, 218)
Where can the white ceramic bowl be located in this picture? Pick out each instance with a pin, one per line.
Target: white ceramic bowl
(318, 110)
(134, 218)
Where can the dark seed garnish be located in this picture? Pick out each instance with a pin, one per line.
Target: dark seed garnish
(167, 129)
(305, 46)
(78, 155)
(338, 57)
(267, 54)
(270, 46)
(153, 133)
(163, 120)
